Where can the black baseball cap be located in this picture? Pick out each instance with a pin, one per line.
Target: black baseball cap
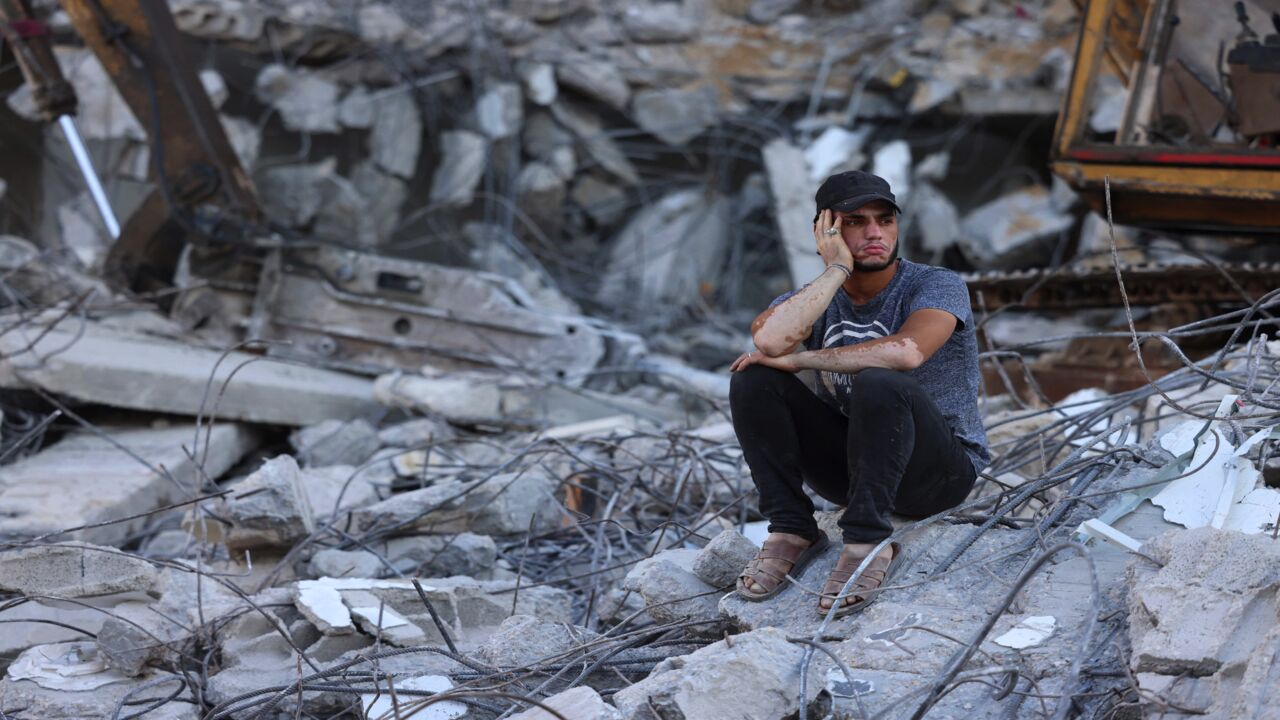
(851, 190)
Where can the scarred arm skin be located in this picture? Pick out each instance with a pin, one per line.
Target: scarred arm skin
(780, 329)
(924, 332)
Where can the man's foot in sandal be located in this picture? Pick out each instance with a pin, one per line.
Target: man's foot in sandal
(873, 577)
(782, 554)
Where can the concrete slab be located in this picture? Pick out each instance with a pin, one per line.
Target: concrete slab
(793, 206)
(85, 479)
(94, 364)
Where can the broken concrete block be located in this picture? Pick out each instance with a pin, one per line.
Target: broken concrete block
(500, 110)
(466, 554)
(936, 218)
(270, 508)
(44, 493)
(579, 703)
(245, 139)
(381, 24)
(504, 400)
(96, 364)
(101, 112)
(1209, 604)
(604, 202)
(671, 591)
(463, 158)
(306, 101)
(758, 670)
(356, 109)
(723, 559)
(676, 116)
(73, 570)
(335, 442)
(337, 488)
(539, 82)
(384, 704)
(835, 150)
(1013, 230)
(416, 432)
(71, 681)
(545, 11)
(892, 161)
(658, 22)
(793, 209)
(375, 618)
(766, 12)
(590, 130)
(501, 505)
(128, 648)
(666, 252)
(526, 640)
(396, 137)
(347, 563)
(596, 78)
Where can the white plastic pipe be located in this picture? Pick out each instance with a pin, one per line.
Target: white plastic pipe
(90, 175)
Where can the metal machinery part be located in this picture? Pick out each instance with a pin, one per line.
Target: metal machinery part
(204, 230)
(1153, 182)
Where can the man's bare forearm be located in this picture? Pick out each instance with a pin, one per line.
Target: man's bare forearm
(778, 329)
(893, 353)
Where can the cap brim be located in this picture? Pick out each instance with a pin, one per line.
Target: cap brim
(858, 201)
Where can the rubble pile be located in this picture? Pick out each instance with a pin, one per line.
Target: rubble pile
(536, 507)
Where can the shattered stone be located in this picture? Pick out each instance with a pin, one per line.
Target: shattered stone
(501, 505)
(73, 570)
(525, 640)
(346, 563)
(334, 489)
(835, 150)
(604, 202)
(759, 670)
(245, 139)
(658, 22)
(545, 11)
(667, 250)
(356, 109)
(383, 195)
(596, 78)
(893, 163)
(415, 432)
(579, 703)
(938, 221)
(82, 230)
(722, 560)
(374, 617)
(122, 486)
(127, 647)
(599, 146)
(511, 29)
(306, 101)
(381, 24)
(792, 208)
(465, 553)
(396, 137)
(539, 83)
(542, 136)
(671, 591)
(335, 442)
(462, 164)
(676, 116)
(1207, 606)
(767, 12)
(1013, 230)
(500, 111)
(270, 508)
(541, 192)
(214, 86)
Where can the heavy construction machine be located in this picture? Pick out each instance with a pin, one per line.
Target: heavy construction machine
(202, 241)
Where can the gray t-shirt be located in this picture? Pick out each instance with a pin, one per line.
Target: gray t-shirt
(950, 376)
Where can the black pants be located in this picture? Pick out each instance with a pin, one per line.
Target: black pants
(894, 452)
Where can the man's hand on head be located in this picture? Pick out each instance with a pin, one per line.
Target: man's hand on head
(786, 363)
(831, 245)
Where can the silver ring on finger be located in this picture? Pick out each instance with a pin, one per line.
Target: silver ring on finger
(831, 231)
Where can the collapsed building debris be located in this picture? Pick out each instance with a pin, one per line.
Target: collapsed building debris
(385, 439)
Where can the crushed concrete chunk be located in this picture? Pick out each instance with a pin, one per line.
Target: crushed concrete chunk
(462, 164)
(670, 590)
(382, 704)
(596, 78)
(270, 508)
(500, 111)
(676, 116)
(73, 570)
(396, 138)
(759, 670)
(335, 442)
(306, 101)
(723, 559)
(1029, 632)
(501, 505)
(524, 640)
(95, 364)
(579, 703)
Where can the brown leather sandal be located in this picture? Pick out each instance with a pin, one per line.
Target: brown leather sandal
(863, 589)
(774, 584)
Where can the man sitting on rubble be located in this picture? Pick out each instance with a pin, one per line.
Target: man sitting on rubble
(892, 424)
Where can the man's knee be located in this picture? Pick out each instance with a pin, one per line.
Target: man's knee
(879, 387)
(754, 380)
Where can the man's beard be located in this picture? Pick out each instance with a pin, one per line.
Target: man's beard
(860, 266)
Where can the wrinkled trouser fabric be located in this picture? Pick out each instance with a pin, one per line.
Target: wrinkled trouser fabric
(895, 452)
